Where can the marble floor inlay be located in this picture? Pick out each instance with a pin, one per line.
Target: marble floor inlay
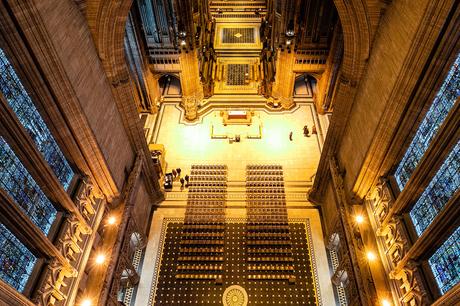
(167, 290)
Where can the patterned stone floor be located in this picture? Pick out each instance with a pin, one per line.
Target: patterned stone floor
(169, 291)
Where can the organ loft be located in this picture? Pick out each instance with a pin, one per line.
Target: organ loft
(229, 152)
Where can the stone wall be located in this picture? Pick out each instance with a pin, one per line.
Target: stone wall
(73, 43)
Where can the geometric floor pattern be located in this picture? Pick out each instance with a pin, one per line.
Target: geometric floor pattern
(171, 291)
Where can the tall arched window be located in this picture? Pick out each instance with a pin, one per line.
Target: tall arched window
(442, 104)
(16, 261)
(21, 103)
(439, 191)
(445, 263)
(19, 184)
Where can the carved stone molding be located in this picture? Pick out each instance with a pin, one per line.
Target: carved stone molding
(120, 249)
(87, 199)
(412, 290)
(125, 275)
(53, 287)
(381, 200)
(363, 291)
(287, 102)
(55, 280)
(395, 240)
(190, 105)
(395, 244)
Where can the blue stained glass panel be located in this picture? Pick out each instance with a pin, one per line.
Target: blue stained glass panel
(21, 103)
(443, 102)
(20, 185)
(445, 263)
(441, 188)
(16, 261)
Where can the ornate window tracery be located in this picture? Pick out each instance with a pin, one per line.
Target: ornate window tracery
(19, 184)
(443, 102)
(16, 261)
(21, 103)
(445, 263)
(439, 191)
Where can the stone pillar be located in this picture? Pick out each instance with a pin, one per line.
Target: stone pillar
(284, 79)
(192, 90)
(190, 104)
(153, 89)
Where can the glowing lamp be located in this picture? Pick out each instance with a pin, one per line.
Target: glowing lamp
(100, 259)
(359, 219)
(385, 302)
(371, 256)
(86, 302)
(111, 220)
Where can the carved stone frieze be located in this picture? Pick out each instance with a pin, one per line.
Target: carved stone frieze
(395, 242)
(55, 280)
(87, 199)
(70, 242)
(381, 199)
(410, 283)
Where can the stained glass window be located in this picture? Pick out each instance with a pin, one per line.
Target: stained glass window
(441, 188)
(16, 261)
(20, 185)
(445, 263)
(443, 102)
(21, 103)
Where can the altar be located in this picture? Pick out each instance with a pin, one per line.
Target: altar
(236, 124)
(236, 117)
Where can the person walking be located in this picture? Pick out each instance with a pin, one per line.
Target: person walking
(290, 136)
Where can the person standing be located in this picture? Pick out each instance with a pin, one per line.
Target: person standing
(174, 173)
(187, 178)
(290, 136)
(313, 130)
(178, 171)
(306, 132)
(182, 181)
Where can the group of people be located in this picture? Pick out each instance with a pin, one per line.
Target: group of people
(306, 132)
(184, 181)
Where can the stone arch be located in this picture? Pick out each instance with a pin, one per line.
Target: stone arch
(356, 30)
(305, 82)
(107, 21)
(177, 83)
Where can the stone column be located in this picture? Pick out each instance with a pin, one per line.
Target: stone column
(284, 79)
(192, 90)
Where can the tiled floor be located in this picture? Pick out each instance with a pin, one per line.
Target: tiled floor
(188, 144)
(192, 144)
(152, 258)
